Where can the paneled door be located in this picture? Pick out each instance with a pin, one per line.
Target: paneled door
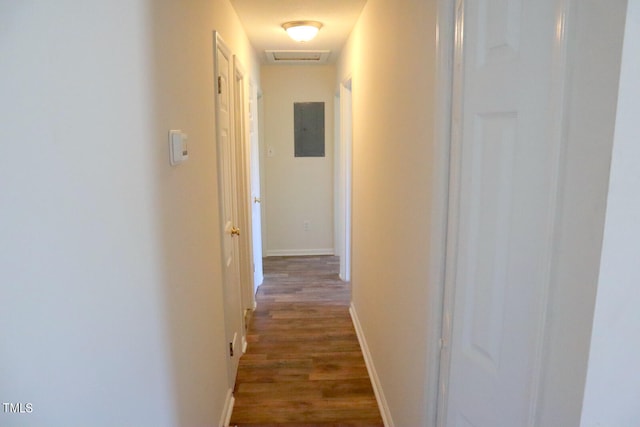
(503, 189)
(228, 205)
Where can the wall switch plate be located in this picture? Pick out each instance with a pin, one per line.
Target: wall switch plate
(178, 151)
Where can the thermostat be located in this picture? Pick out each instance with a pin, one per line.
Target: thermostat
(177, 147)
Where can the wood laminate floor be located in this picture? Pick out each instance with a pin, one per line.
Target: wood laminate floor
(303, 365)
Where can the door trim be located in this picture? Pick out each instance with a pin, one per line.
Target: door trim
(445, 49)
(243, 202)
(451, 45)
(345, 174)
(255, 188)
(219, 46)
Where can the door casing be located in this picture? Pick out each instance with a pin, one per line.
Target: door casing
(343, 200)
(256, 193)
(243, 192)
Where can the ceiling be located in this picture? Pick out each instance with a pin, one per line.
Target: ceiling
(263, 19)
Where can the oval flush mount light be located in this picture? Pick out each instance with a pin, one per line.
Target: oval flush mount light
(302, 31)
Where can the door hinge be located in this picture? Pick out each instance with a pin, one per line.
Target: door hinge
(219, 84)
(231, 349)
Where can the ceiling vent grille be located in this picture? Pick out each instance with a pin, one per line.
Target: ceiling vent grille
(297, 56)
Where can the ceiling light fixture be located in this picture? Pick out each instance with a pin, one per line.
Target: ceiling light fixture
(302, 31)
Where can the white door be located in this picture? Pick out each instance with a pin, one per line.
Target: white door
(503, 183)
(256, 211)
(228, 208)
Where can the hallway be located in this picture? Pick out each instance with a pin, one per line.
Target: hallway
(114, 279)
(303, 364)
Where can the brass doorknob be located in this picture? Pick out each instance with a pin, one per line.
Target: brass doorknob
(235, 231)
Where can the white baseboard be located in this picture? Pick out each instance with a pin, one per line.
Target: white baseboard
(227, 410)
(373, 375)
(300, 252)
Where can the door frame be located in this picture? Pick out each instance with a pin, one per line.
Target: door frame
(344, 155)
(255, 188)
(243, 194)
(219, 46)
(438, 259)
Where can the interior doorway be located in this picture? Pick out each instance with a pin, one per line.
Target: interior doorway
(256, 193)
(344, 175)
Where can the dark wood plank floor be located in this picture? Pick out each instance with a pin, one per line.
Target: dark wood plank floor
(303, 365)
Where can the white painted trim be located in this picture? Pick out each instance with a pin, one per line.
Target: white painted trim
(336, 173)
(445, 42)
(227, 410)
(345, 174)
(220, 47)
(300, 252)
(243, 203)
(453, 213)
(371, 369)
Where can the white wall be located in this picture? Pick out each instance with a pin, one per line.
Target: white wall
(110, 277)
(613, 381)
(391, 58)
(297, 189)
